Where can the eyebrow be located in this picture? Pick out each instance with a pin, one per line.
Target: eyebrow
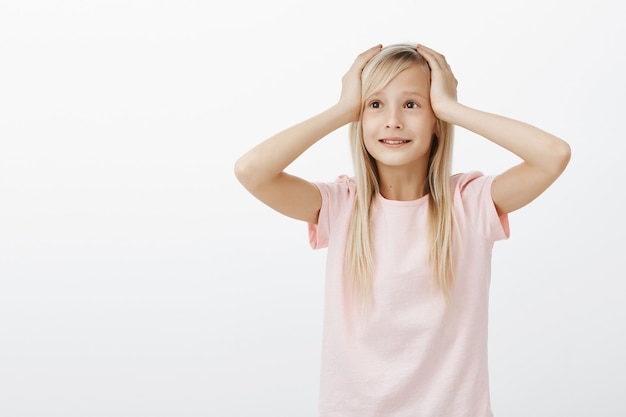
(413, 92)
(404, 93)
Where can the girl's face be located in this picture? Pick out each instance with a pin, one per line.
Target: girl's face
(398, 122)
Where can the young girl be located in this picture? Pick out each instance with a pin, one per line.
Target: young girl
(409, 244)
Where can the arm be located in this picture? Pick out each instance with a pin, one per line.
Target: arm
(544, 156)
(261, 170)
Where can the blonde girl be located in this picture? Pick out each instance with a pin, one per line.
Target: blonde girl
(409, 244)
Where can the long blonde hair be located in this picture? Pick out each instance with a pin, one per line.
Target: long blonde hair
(386, 65)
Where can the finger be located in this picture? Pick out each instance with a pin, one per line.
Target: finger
(365, 56)
(429, 51)
(433, 56)
(430, 57)
(373, 50)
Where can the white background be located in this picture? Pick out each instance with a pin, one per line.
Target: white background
(137, 277)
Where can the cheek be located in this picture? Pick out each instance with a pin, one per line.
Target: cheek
(368, 133)
(426, 124)
(368, 126)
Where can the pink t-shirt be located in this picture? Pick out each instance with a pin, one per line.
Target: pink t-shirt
(411, 356)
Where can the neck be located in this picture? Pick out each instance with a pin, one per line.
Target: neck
(398, 183)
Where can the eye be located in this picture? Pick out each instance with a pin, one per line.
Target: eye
(375, 104)
(411, 105)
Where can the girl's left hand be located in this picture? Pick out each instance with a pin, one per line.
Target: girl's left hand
(442, 81)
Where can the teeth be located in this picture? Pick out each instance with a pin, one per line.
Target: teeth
(394, 142)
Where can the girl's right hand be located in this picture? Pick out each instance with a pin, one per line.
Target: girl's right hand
(350, 98)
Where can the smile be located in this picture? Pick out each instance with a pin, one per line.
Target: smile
(394, 141)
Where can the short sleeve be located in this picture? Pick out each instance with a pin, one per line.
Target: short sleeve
(337, 200)
(474, 204)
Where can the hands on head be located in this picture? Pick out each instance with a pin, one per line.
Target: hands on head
(443, 89)
(442, 81)
(351, 82)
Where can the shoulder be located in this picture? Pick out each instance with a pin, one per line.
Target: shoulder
(337, 204)
(459, 182)
(474, 205)
(470, 185)
(337, 196)
(343, 187)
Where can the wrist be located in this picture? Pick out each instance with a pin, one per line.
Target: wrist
(449, 111)
(345, 114)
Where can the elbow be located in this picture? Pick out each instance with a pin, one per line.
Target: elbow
(556, 158)
(248, 173)
(243, 171)
(562, 155)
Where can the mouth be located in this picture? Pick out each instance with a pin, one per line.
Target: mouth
(394, 141)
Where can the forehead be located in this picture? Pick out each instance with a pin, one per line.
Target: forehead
(413, 79)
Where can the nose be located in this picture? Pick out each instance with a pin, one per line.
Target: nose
(393, 119)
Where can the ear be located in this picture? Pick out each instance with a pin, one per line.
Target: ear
(434, 145)
(438, 127)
